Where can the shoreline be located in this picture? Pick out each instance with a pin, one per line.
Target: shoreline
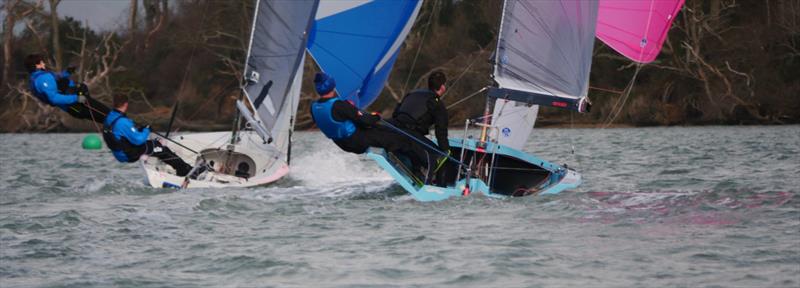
(544, 126)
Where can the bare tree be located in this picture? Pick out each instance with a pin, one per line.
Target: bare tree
(132, 19)
(788, 19)
(721, 83)
(104, 63)
(55, 34)
(8, 38)
(156, 12)
(15, 9)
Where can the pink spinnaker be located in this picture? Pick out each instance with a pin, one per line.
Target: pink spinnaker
(636, 28)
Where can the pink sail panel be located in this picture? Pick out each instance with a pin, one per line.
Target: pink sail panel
(636, 28)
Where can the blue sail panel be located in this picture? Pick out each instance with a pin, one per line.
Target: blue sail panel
(373, 85)
(357, 43)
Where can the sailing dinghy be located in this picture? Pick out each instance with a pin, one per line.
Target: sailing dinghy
(543, 58)
(260, 153)
(357, 41)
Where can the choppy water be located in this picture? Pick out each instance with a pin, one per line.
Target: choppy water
(660, 207)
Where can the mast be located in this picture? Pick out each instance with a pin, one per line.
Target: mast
(274, 62)
(495, 61)
(237, 120)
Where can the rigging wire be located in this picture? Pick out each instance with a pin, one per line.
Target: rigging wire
(421, 43)
(462, 74)
(154, 132)
(617, 108)
(412, 137)
(192, 54)
(629, 88)
(466, 98)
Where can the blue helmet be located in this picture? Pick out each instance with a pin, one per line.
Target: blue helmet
(324, 83)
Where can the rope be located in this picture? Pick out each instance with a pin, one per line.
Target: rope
(462, 74)
(629, 88)
(224, 90)
(606, 90)
(412, 137)
(517, 169)
(617, 106)
(466, 98)
(96, 128)
(572, 141)
(159, 134)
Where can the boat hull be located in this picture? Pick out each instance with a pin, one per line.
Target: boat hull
(543, 177)
(250, 163)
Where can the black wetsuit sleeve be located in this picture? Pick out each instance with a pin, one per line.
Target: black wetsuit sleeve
(439, 113)
(343, 110)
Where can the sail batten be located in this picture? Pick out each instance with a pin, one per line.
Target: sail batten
(546, 46)
(543, 57)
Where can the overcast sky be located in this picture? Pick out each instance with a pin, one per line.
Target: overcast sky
(101, 14)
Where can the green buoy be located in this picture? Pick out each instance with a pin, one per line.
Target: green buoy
(92, 142)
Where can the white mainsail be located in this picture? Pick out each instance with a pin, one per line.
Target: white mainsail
(543, 57)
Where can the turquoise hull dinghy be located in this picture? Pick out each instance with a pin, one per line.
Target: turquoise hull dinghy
(507, 173)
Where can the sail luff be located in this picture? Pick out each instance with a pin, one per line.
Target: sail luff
(299, 60)
(545, 46)
(250, 45)
(499, 41)
(543, 57)
(276, 49)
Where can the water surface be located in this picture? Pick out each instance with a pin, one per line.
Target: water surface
(660, 207)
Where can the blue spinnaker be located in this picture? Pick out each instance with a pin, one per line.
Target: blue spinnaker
(357, 43)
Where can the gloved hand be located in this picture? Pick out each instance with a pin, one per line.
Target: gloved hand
(82, 99)
(83, 89)
(146, 127)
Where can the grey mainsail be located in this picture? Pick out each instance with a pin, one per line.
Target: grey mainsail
(543, 57)
(275, 56)
(545, 47)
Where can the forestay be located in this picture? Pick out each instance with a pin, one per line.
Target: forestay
(357, 43)
(274, 58)
(544, 57)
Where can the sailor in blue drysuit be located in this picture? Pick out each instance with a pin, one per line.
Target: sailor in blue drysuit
(60, 91)
(352, 130)
(128, 143)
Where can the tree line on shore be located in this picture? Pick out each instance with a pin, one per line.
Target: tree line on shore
(724, 62)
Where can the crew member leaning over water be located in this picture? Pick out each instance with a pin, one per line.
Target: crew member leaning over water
(128, 143)
(352, 130)
(56, 89)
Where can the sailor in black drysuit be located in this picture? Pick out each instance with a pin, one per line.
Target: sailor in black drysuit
(421, 109)
(128, 143)
(58, 90)
(352, 130)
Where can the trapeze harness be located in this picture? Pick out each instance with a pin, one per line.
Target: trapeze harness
(131, 152)
(323, 116)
